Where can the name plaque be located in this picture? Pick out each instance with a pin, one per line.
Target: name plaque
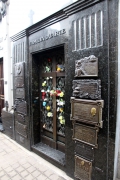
(21, 107)
(87, 88)
(84, 150)
(19, 69)
(87, 66)
(19, 82)
(87, 111)
(20, 93)
(83, 168)
(85, 134)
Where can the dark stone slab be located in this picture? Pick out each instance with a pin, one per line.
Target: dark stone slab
(21, 106)
(21, 129)
(8, 123)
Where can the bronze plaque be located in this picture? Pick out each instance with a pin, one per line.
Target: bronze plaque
(20, 93)
(83, 168)
(21, 107)
(19, 69)
(84, 150)
(87, 88)
(20, 118)
(85, 134)
(21, 129)
(87, 66)
(19, 82)
(87, 111)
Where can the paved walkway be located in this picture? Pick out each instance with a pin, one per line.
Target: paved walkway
(17, 163)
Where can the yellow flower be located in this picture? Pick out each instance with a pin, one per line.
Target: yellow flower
(62, 120)
(61, 94)
(61, 109)
(58, 69)
(48, 108)
(49, 114)
(44, 83)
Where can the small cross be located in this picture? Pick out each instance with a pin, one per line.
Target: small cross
(30, 15)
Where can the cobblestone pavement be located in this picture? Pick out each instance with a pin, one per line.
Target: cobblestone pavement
(17, 163)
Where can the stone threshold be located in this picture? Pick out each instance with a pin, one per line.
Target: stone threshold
(49, 152)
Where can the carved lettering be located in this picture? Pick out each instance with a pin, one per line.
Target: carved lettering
(57, 33)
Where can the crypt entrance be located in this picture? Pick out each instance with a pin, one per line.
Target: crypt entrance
(48, 103)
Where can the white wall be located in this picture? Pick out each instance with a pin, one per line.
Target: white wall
(7, 59)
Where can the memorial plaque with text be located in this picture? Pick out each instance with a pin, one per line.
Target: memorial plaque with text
(83, 168)
(21, 129)
(87, 111)
(85, 134)
(86, 67)
(20, 93)
(87, 88)
(19, 82)
(21, 107)
(84, 150)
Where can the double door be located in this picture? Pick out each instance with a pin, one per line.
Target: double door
(52, 100)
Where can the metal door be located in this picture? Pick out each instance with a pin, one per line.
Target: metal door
(52, 103)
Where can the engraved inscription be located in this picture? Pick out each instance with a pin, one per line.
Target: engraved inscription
(87, 111)
(20, 93)
(87, 88)
(85, 134)
(84, 150)
(87, 66)
(83, 168)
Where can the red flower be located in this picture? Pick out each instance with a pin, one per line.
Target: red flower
(49, 60)
(58, 92)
